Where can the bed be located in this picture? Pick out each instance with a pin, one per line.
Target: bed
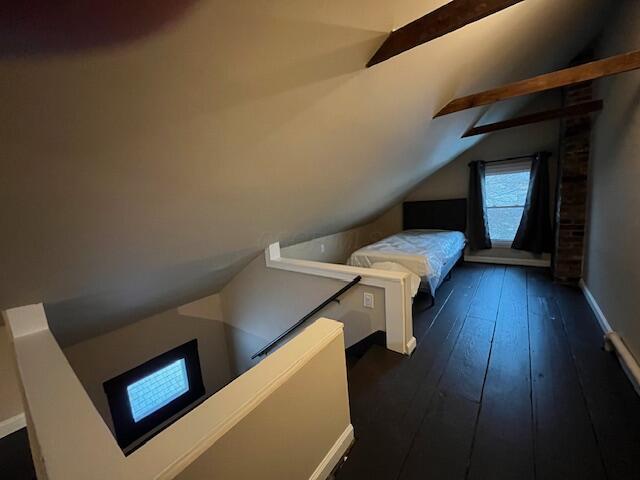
(430, 245)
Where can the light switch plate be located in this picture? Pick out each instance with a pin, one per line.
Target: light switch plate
(368, 300)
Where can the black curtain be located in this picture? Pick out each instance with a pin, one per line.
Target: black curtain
(477, 223)
(534, 233)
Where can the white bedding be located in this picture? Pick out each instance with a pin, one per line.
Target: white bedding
(427, 253)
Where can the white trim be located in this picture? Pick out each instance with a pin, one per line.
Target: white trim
(411, 345)
(334, 455)
(26, 320)
(525, 262)
(396, 285)
(13, 424)
(602, 320)
(613, 341)
(369, 276)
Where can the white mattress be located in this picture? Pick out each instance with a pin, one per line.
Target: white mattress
(427, 253)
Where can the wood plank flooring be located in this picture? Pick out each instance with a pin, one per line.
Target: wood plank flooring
(509, 381)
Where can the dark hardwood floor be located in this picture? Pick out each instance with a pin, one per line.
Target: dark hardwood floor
(509, 381)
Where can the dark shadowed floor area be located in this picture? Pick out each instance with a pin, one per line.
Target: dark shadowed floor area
(15, 457)
(509, 381)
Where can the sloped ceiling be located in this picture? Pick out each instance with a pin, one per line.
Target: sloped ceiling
(142, 167)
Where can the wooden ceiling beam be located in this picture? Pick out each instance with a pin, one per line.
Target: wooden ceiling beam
(570, 111)
(446, 19)
(561, 78)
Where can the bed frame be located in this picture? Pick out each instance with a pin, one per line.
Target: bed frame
(437, 215)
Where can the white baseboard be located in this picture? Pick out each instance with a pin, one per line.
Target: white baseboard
(334, 455)
(602, 320)
(411, 345)
(524, 262)
(13, 424)
(613, 341)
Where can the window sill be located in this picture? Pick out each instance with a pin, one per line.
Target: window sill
(501, 243)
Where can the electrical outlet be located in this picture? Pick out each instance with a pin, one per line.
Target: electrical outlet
(322, 248)
(368, 300)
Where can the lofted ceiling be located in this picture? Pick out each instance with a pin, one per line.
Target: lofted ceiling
(143, 167)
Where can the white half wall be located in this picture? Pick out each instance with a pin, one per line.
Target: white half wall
(299, 432)
(298, 395)
(398, 317)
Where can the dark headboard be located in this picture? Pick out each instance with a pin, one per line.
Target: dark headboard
(435, 214)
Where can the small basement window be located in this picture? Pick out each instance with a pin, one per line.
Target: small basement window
(506, 187)
(151, 393)
(151, 396)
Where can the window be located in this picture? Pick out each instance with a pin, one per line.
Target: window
(147, 398)
(154, 391)
(506, 187)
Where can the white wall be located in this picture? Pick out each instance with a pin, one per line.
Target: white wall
(143, 168)
(104, 357)
(612, 258)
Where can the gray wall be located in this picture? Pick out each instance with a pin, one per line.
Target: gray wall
(101, 358)
(143, 170)
(260, 303)
(452, 180)
(612, 263)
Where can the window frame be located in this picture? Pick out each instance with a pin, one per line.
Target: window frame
(130, 434)
(503, 168)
